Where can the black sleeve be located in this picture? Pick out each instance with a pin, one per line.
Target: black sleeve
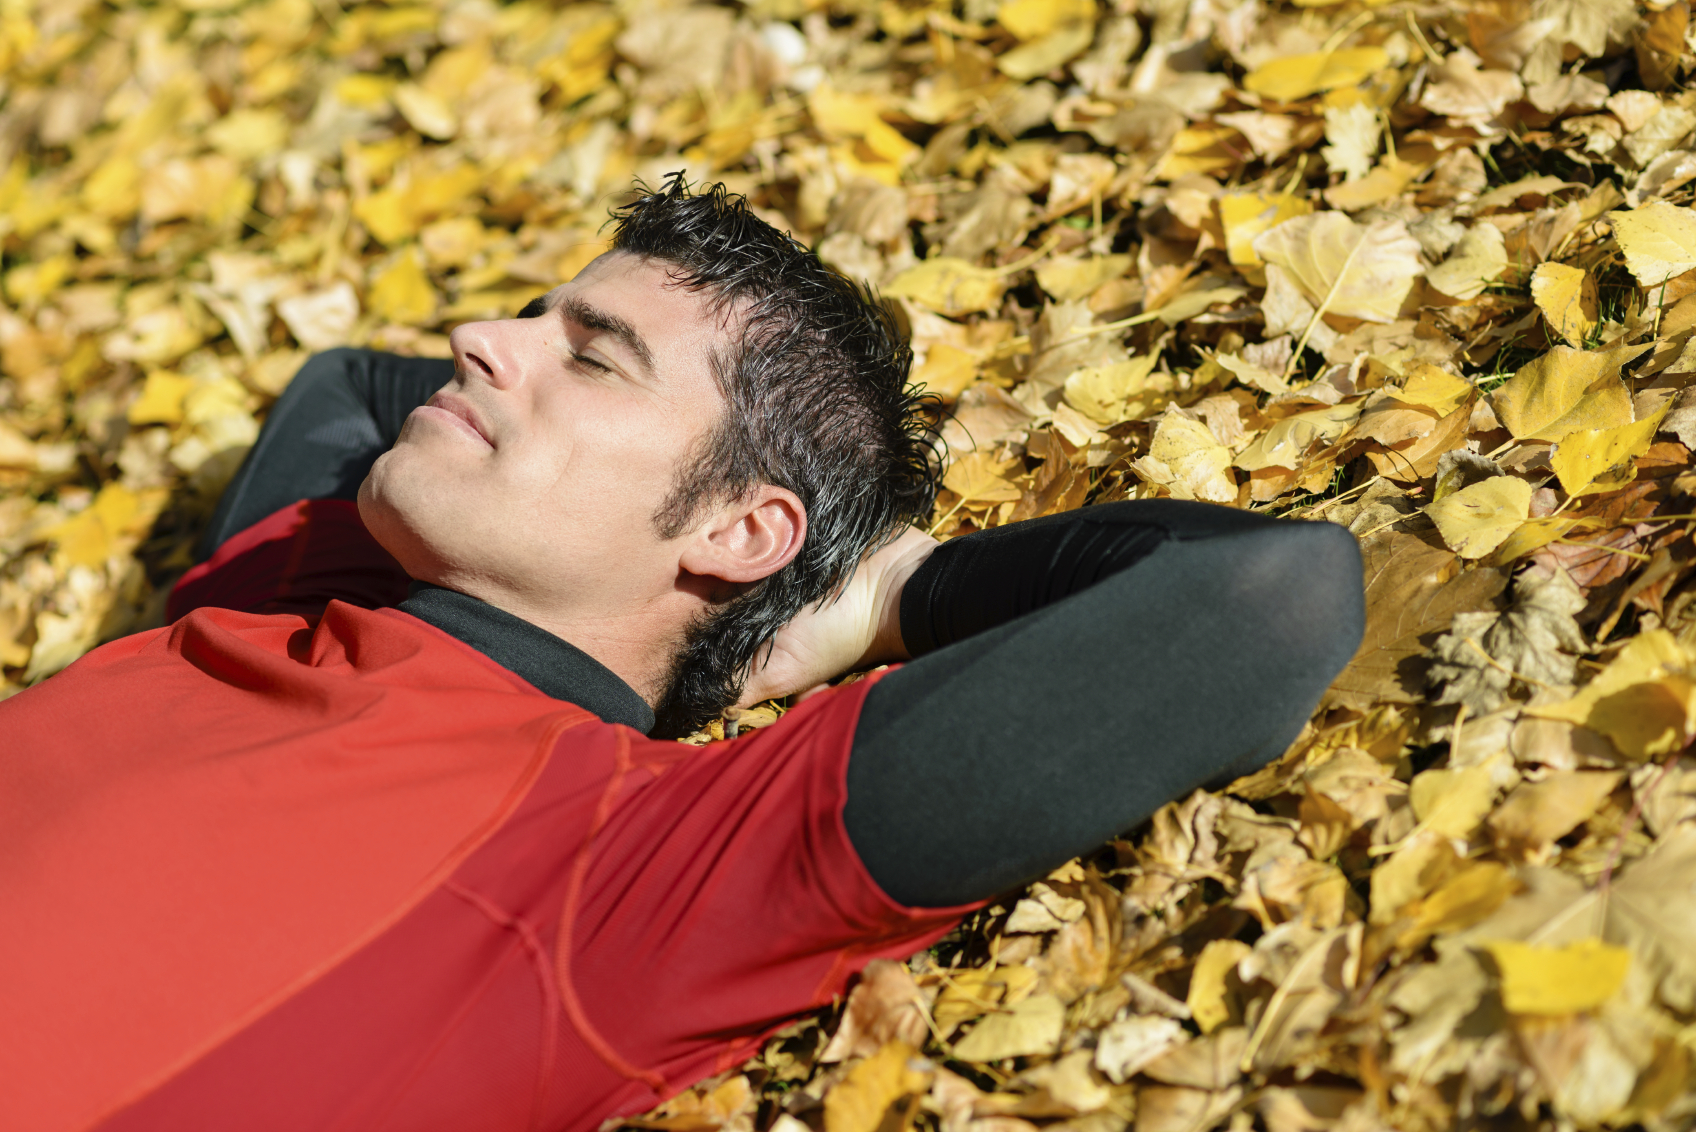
(1075, 673)
(342, 410)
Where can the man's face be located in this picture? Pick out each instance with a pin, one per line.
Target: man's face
(532, 477)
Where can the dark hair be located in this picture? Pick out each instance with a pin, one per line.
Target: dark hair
(816, 401)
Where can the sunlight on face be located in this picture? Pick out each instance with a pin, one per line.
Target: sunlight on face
(533, 475)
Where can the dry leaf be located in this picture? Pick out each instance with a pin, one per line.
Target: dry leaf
(1031, 1026)
(1342, 267)
(1658, 239)
(1558, 980)
(1478, 260)
(1475, 520)
(1567, 297)
(1566, 390)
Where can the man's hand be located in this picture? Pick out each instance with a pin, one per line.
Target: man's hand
(860, 629)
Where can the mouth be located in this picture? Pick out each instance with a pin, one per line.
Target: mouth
(456, 412)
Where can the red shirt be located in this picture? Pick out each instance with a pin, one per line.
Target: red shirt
(279, 870)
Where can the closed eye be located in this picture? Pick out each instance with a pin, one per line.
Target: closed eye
(585, 360)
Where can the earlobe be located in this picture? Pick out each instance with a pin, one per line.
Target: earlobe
(750, 539)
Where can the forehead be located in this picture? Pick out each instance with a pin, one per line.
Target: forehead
(646, 293)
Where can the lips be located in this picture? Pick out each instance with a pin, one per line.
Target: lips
(461, 413)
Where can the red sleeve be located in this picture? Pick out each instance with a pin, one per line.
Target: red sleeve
(296, 560)
(720, 896)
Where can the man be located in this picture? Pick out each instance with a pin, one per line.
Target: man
(333, 850)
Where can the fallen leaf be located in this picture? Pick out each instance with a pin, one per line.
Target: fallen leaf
(859, 1103)
(1124, 1047)
(1658, 239)
(1584, 456)
(1031, 1026)
(1564, 391)
(1478, 260)
(1540, 979)
(1475, 520)
(1413, 592)
(1451, 803)
(1567, 297)
(977, 478)
(1535, 814)
(1297, 76)
(948, 286)
(1342, 267)
(1213, 1000)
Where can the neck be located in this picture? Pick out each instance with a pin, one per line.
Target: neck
(637, 643)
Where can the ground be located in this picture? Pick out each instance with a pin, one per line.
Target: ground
(1425, 270)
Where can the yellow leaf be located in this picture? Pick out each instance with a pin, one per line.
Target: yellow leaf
(1641, 700)
(1461, 901)
(161, 400)
(841, 115)
(1558, 980)
(248, 133)
(946, 371)
(1389, 178)
(89, 537)
(1210, 998)
(1413, 870)
(30, 283)
(1659, 241)
(426, 111)
(949, 285)
(452, 243)
(1648, 719)
(975, 477)
(1580, 458)
(1246, 215)
(1029, 60)
(1476, 519)
(1069, 280)
(859, 1102)
(1566, 390)
(1284, 444)
(388, 215)
(1297, 76)
(1254, 376)
(975, 991)
(1188, 460)
(1534, 534)
(1433, 388)
(1200, 149)
(1033, 19)
(1451, 803)
(403, 293)
(1567, 297)
(1537, 813)
(112, 190)
(1031, 1027)
(1360, 271)
(210, 188)
(366, 92)
(1102, 393)
(1479, 259)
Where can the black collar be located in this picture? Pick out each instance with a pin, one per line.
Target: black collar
(554, 666)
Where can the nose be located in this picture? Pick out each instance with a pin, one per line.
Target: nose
(488, 351)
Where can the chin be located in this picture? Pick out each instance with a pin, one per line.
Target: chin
(391, 507)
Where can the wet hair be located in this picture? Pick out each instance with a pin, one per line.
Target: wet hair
(816, 400)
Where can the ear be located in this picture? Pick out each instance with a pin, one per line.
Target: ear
(749, 539)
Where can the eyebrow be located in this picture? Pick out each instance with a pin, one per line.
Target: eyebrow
(594, 318)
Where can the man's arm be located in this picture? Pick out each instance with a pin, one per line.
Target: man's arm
(342, 410)
(1074, 674)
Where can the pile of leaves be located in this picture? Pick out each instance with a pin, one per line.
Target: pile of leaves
(1425, 270)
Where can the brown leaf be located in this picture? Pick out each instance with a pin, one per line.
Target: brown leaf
(1413, 592)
